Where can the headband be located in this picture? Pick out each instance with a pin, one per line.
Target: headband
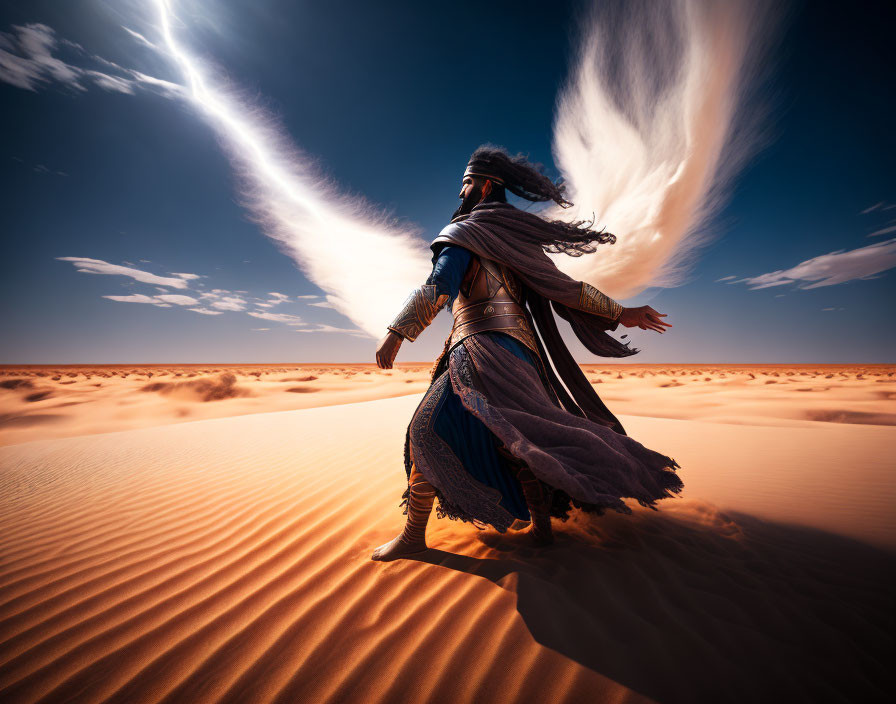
(472, 171)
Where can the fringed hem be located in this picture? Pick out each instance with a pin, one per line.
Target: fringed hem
(445, 509)
(561, 503)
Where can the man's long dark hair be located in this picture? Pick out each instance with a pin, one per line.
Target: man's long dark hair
(527, 180)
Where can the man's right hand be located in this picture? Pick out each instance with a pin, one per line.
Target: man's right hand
(387, 349)
(643, 317)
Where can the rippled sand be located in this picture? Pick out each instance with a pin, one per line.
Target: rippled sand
(157, 560)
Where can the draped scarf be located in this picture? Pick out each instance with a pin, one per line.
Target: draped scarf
(513, 237)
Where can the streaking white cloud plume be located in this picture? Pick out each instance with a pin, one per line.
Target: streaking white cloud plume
(650, 129)
(206, 311)
(830, 269)
(321, 229)
(726, 278)
(98, 266)
(884, 231)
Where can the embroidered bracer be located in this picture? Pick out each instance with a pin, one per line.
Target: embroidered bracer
(419, 310)
(593, 301)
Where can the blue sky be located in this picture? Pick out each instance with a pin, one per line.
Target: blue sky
(389, 99)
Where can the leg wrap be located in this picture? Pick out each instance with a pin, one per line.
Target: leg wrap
(420, 503)
(537, 499)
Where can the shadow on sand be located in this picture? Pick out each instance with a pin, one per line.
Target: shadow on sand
(693, 605)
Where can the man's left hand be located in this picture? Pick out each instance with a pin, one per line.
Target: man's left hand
(387, 349)
(643, 317)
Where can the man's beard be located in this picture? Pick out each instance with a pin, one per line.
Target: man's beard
(467, 203)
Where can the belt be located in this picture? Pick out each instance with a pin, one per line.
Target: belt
(507, 316)
(504, 313)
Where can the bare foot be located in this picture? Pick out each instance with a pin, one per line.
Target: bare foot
(396, 549)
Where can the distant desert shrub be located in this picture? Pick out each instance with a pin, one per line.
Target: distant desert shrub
(221, 387)
(16, 384)
(38, 396)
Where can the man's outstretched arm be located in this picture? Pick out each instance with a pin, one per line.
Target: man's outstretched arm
(644, 317)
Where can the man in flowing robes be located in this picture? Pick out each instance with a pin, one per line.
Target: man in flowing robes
(499, 436)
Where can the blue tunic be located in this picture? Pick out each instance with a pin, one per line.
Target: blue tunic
(470, 440)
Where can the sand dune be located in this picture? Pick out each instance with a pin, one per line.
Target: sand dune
(39, 402)
(228, 560)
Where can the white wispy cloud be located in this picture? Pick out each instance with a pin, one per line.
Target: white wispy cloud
(322, 304)
(871, 208)
(213, 302)
(277, 317)
(166, 89)
(98, 266)
(28, 60)
(177, 299)
(834, 268)
(308, 296)
(113, 84)
(165, 300)
(140, 38)
(275, 299)
(885, 231)
(139, 298)
(229, 303)
(321, 327)
(41, 169)
(726, 278)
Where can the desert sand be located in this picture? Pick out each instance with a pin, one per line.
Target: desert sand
(209, 540)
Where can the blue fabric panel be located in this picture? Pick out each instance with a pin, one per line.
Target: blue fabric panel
(448, 271)
(475, 445)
